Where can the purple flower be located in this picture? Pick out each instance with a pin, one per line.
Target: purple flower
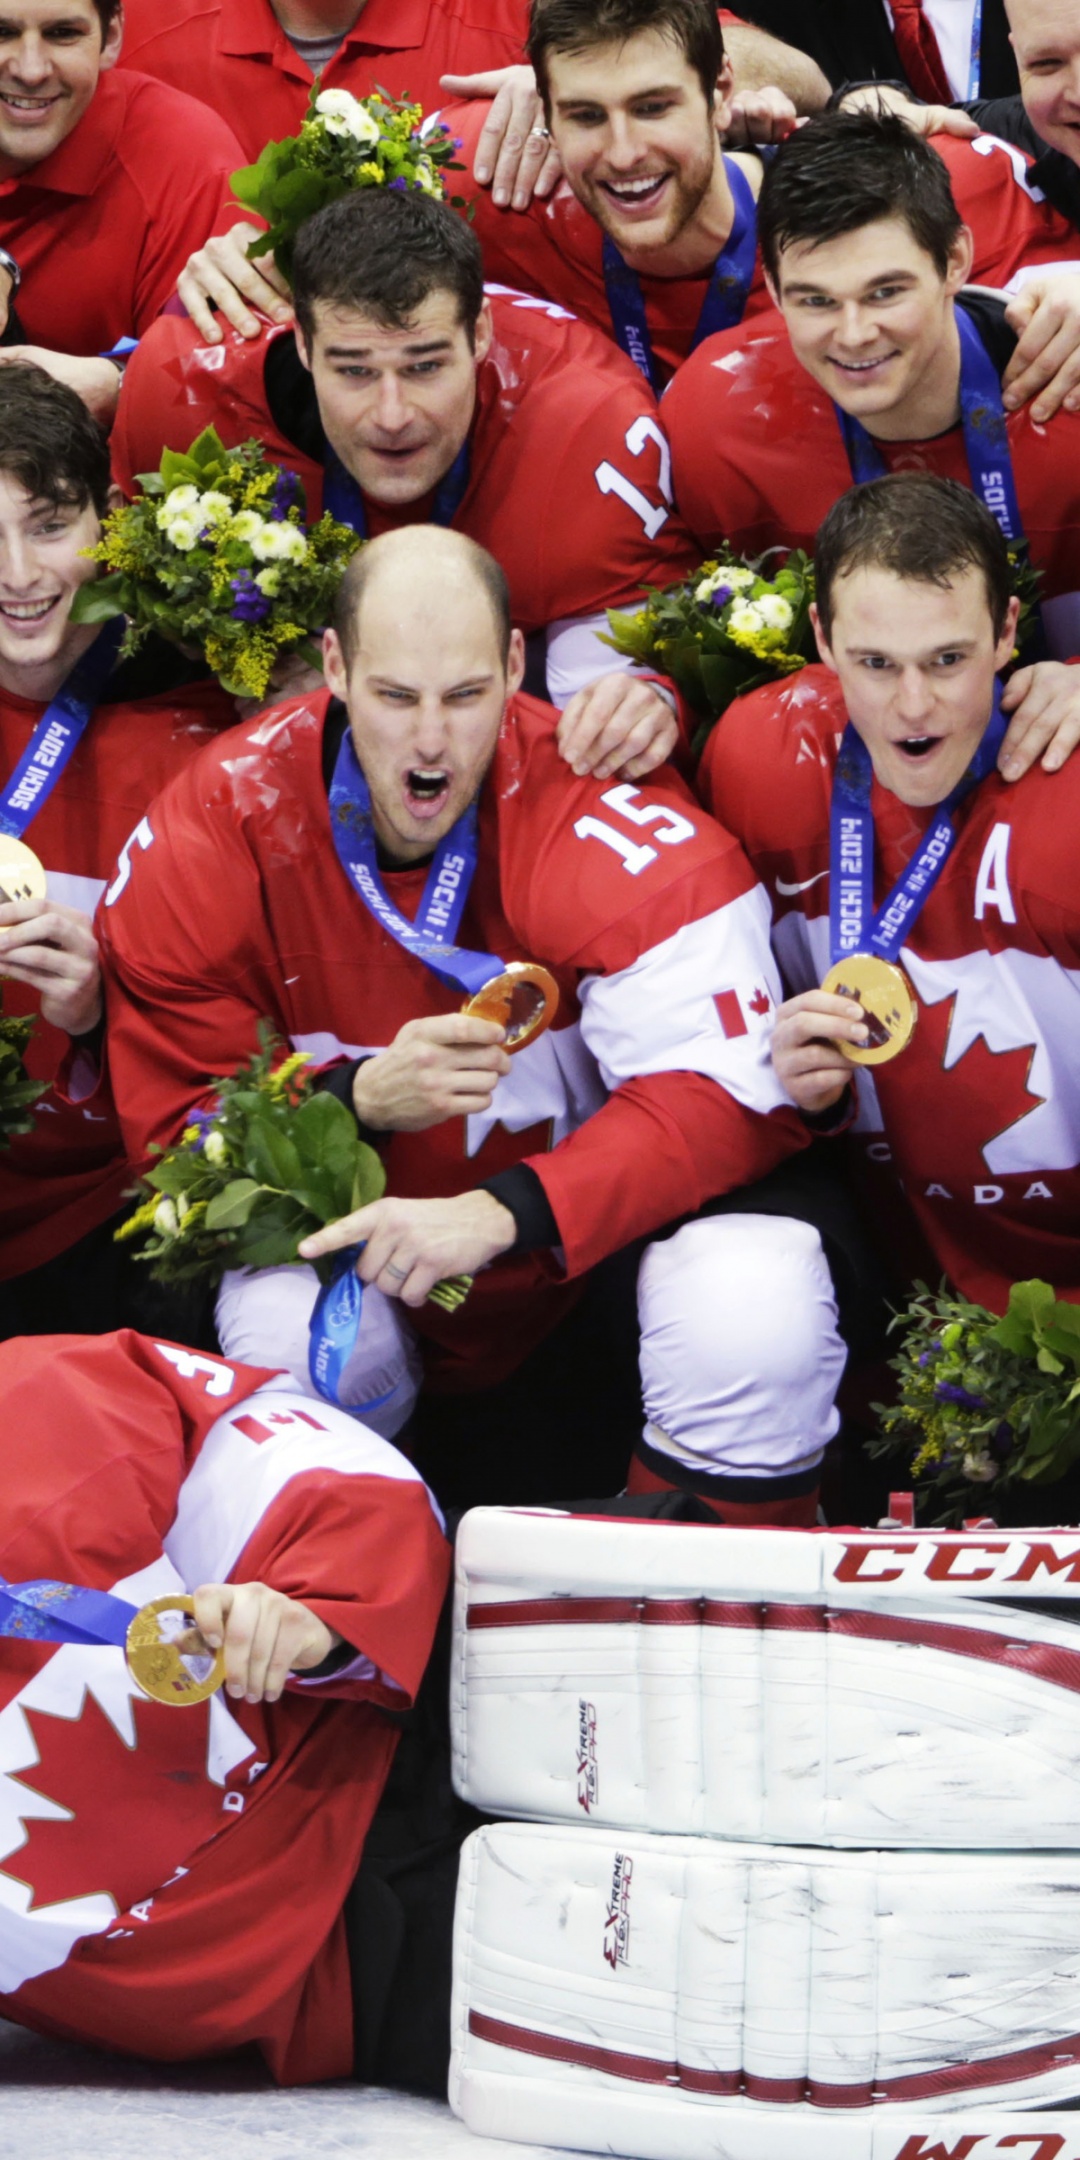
(250, 604)
(721, 596)
(397, 185)
(946, 1392)
(286, 494)
(204, 1120)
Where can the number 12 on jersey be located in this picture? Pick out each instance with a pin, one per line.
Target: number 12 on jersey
(636, 855)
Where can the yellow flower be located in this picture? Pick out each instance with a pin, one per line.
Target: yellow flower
(369, 171)
(287, 1071)
(141, 1220)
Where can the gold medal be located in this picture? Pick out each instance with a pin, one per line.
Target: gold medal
(21, 874)
(524, 1000)
(164, 1654)
(888, 1003)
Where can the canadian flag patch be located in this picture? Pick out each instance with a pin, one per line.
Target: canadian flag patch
(738, 1012)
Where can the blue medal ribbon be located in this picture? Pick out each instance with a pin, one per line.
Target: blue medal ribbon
(58, 733)
(343, 498)
(335, 1320)
(62, 1613)
(986, 437)
(853, 925)
(975, 62)
(725, 300)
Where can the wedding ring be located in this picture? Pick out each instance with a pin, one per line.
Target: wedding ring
(400, 1272)
(544, 134)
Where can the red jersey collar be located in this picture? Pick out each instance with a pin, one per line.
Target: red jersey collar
(78, 164)
(250, 26)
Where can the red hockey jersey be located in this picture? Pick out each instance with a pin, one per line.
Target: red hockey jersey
(235, 55)
(102, 229)
(171, 1882)
(652, 1091)
(980, 1115)
(758, 459)
(68, 1174)
(569, 470)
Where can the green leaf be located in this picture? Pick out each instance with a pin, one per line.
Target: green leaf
(178, 470)
(230, 1209)
(271, 1157)
(369, 1179)
(99, 600)
(271, 1236)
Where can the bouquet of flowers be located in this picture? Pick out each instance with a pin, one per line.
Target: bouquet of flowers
(273, 1161)
(985, 1401)
(344, 143)
(214, 554)
(723, 631)
(17, 1091)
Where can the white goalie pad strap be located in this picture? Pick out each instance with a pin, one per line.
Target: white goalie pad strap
(693, 1977)
(778, 1685)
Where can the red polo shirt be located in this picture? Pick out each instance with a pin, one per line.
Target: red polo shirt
(102, 228)
(235, 54)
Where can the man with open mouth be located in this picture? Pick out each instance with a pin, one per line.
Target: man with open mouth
(882, 361)
(866, 794)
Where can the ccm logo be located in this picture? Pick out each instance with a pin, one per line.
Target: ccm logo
(1026, 2144)
(968, 1560)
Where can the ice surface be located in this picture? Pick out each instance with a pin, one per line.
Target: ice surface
(67, 2103)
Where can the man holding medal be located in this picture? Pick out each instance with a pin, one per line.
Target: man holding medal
(883, 363)
(362, 869)
(936, 906)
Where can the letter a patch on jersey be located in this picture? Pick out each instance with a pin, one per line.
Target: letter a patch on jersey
(992, 883)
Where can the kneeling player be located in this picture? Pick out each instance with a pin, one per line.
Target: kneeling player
(937, 932)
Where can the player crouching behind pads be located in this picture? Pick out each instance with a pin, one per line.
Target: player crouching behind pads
(313, 851)
(934, 939)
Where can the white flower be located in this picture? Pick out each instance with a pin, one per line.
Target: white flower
(746, 619)
(979, 1466)
(268, 581)
(708, 586)
(166, 1219)
(214, 1150)
(426, 177)
(214, 507)
(179, 498)
(245, 525)
(739, 580)
(344, 115)
(278, 543)
(182, 531)
(776, 612)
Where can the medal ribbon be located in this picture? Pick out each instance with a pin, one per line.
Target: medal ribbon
(333, 1329)
(725, 300)
(430, 937)
(61, 1612)
(58, 733)
(853, 925)
(343, 499)
(986, 439)
(975, 63)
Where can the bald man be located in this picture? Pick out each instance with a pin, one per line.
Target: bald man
(421, 799)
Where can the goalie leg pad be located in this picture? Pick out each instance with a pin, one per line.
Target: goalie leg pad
(649, 1987)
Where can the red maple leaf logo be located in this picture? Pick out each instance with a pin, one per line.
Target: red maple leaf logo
(133, 1814)
(944, 1139)
(761, 1002)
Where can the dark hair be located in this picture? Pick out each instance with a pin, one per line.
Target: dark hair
(923, 528)
(384, 253)
(364, 564)
(573, 26)
(48, 441)
(107, 12)
(844, 170)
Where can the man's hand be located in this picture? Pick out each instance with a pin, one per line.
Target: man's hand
(922, 119)
(1045, 703)
(97, 382)
(618, 724)
(53, 950)
(434, 1069)
(761, 116)
(805, 1053)
(1046, 364)
(6, 282)
(410, 1245)
(266, 1636)
(221, 273)
(515, 153)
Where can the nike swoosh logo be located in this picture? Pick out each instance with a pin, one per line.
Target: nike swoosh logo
(786, 891)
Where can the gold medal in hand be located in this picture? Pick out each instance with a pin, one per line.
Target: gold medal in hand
(889, 1006)
(524, 1000)
(21, 875)
(167, 1655)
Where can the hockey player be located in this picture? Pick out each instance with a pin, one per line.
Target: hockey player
(652, 233)
(408, 395)
(172, 1878)
(650, 1093)
(978, 921)
(877, 367)
(73, 801)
